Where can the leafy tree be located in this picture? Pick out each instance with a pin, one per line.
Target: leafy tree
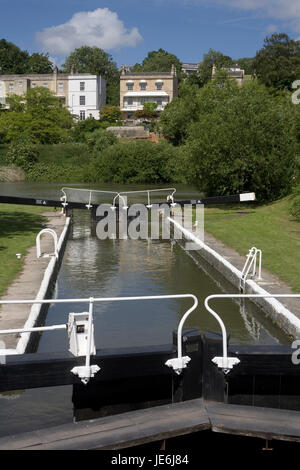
(150, 106)
(12, 59)
(110, 113)
(246, 63)
(43, 118)
(177, 115)
(277, 64)
(96, 61)
(242, 139)
(16, 102)
(159, 61)
(39, 63)
(210, 59)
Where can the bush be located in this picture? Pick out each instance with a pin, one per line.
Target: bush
(138, 162)
(100, 140)
(295, 206)
(82, 129)
(23, 153)
(242, 140)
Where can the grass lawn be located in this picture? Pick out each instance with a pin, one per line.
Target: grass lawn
(269, 227)
(19, 226)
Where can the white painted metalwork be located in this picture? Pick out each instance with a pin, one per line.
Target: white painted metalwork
(251, 262)
(147, 192)
(91, 193)
(224, 362)
(86, 348)
(38, 243)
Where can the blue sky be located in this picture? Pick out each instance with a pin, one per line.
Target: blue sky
(129, 29)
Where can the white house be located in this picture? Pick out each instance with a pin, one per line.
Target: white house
(87, 95)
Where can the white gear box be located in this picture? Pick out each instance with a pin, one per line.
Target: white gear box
(78, 334)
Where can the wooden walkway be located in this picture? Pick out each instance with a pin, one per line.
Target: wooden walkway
(162, 422)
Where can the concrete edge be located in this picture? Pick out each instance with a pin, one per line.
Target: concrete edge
(280, 315)
(37, 309)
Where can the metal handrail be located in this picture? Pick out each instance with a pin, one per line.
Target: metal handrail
(64, 197)
(88, 371)
(251, 260)
(38, 241)
(226, 363)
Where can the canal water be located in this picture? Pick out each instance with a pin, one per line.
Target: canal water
(119, 268)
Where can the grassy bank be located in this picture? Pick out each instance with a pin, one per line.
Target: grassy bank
(269, 227)
(19, 226)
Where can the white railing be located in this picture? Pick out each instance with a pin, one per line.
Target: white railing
(87, 344)
(90, 194)
(147, 192)
(226, 363)
(251, 263)
(38, 243)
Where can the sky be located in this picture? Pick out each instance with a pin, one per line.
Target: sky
(129, 29)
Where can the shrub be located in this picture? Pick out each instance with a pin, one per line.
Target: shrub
(100, 140)
(243, 140)
(138, 162)
(23, 153)
(82, 129)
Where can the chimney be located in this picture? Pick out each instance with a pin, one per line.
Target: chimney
(174, 71)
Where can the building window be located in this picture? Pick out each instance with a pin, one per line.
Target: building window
(129, 86)
(45, 85)
(33, 85)
(159, 101)
(143, 86)
(20, 84)
(82, 86)
(11, 87)
(82, 115)
(82, 100)
(159, 85)
(60, 87)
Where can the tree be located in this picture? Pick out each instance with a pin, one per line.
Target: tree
(98, 62)
(43, 118)
(242, 140)
(160, 61)
(110, 113)
(210, 59)
(246, 63)
(39, 63)
(12, 59)
(277, 64)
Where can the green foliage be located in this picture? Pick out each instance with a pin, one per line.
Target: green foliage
(177, 115)
(150, 106)
(246, 64)
(211, 58)
(23, 153)
(96, 61)
(137, 162)
(82, 129)
(242, 139)
(100, 140)
(15, 61)
(277, 64)
(42, 118)
(159, 61)
(110, 114)
(12, 59)
(39, 63)
(147, 112)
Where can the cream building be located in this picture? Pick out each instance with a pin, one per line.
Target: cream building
(235, 73)
(83, 94)
(139, 88)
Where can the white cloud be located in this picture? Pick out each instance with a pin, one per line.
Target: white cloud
(101, 28)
